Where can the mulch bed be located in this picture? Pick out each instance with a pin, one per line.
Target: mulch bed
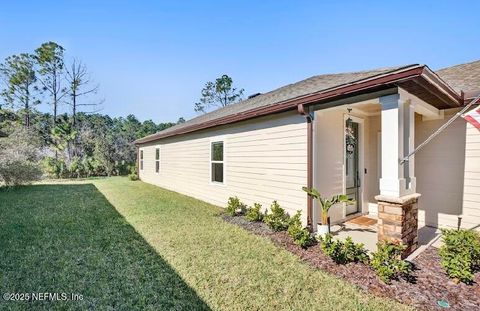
(429, 284)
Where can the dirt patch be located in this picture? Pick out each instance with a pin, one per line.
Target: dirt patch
(429, 285)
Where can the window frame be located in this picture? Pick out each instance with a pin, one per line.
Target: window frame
(141, 157)
(224, 161)
(157, 160)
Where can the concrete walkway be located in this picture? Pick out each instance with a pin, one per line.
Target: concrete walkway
(363, 229)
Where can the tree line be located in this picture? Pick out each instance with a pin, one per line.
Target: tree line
(79, 143)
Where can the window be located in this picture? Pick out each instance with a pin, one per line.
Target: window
(141, 159)
(217, 161)
(157, 160)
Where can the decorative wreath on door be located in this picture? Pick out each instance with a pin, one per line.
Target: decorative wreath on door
(350, 141)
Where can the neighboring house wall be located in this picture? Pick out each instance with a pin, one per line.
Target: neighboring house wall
(265, 160)
(448, 173)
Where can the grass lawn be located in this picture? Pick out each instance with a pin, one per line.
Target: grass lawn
(126, 245)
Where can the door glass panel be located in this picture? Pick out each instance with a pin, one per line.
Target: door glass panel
(351, 164)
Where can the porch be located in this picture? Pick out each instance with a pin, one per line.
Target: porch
(358, 147)
(364, 229)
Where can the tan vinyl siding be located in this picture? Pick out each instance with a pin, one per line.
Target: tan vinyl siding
(328, 159)
(448, 173)
(471, 188)
(264, 160)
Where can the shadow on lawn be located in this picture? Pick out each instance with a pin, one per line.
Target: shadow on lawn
(70, 239)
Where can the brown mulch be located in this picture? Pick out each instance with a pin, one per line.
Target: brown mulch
(429, 283)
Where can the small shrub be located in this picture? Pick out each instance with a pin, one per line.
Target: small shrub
(355, 252)
(300, 235)
(332, 249)
(235, 207)
(344, 252)
(277, 219)
(254, 213)
(460, 254)
(387, 262)
(133, 176)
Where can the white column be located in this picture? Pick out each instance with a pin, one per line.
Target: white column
(398, 122)
(410, 110)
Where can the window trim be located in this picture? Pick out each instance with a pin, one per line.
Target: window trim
(217, 140)
(159, 159)
(141, 158)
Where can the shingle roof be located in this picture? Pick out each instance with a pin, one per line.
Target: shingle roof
(305, 87)
(463, 77)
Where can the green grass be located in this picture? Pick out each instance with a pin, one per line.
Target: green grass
(128, 245)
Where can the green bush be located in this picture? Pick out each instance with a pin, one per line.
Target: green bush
(343, 252)
(133, 176)
(355, 252)
(277, 219)
(235, 207)
(460, 254)
(53, 167)
(122, 168)
(19, 156)
(76, 168)
(300, 235)
(16, 173)
(58, 168)
(387, 262)
(254, 213)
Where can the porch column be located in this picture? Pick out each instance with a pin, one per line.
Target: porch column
(397, 202)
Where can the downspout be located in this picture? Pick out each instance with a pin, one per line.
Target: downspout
(304, 112)
(138, 162)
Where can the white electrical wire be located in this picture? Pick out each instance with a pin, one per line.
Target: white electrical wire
(440, 129)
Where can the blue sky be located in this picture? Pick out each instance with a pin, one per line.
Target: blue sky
(152, 58)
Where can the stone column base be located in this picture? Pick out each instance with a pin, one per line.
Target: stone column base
(398, 220)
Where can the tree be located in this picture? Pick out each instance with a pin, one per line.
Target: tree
(79, 84)
(49, 57)
(181, 120)
(84, 143)
(148, 127)
(104, 152)
(8, 119)
(220, 93)
(63, 135)
(18, 71)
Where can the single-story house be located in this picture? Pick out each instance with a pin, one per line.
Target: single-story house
(340, 133)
